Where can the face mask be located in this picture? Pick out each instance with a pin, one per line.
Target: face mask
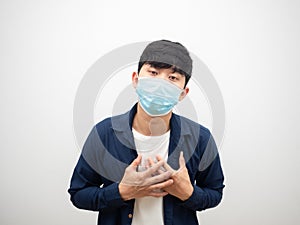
(157, 96)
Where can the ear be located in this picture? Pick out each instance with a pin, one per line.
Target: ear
(134, 79)
(184, 93)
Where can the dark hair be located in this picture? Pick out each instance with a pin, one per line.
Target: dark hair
(165, 54)
(160, 65)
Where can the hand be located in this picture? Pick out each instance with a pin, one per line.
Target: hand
(140, 184)
(181, 187)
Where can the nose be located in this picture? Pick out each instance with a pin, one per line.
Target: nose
(162, 75)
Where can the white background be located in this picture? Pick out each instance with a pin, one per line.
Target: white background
(251, 47)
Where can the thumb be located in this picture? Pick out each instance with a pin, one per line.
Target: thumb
(181, 160)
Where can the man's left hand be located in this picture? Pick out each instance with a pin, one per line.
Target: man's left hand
(181, 187)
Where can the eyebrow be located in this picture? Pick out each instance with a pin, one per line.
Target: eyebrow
(173, 68)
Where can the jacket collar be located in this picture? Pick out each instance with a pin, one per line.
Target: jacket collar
(180, 128)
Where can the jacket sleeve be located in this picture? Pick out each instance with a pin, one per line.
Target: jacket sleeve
(87, 189)
(209, 179)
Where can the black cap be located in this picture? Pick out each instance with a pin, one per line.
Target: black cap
(172, 53)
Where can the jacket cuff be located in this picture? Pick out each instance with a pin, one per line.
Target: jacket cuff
(112, 196)
(193, 201)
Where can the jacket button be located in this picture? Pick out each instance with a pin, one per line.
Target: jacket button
(130, 215)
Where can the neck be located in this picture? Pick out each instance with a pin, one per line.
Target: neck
(150, 126)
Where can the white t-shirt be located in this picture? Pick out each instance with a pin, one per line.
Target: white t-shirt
(149, 210)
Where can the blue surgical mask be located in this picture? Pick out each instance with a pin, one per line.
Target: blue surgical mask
(157, 96)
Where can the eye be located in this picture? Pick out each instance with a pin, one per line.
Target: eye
(173, 78)
(153, 72)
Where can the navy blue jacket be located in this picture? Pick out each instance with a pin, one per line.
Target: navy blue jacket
(110, 148)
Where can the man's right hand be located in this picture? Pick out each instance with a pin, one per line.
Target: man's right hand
(146, 183)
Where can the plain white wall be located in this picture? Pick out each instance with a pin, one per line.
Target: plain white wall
(251, 47)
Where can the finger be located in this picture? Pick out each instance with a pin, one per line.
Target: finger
(161, 170)
(159, 158)
(151, 162)
(167, 167)
(158, 194)
(159, 178)
(136, 161)
(154, 168)
(162, 185)
(181, 160)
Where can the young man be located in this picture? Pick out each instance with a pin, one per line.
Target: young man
(149, 165)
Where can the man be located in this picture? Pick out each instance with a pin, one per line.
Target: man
(149, 165)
